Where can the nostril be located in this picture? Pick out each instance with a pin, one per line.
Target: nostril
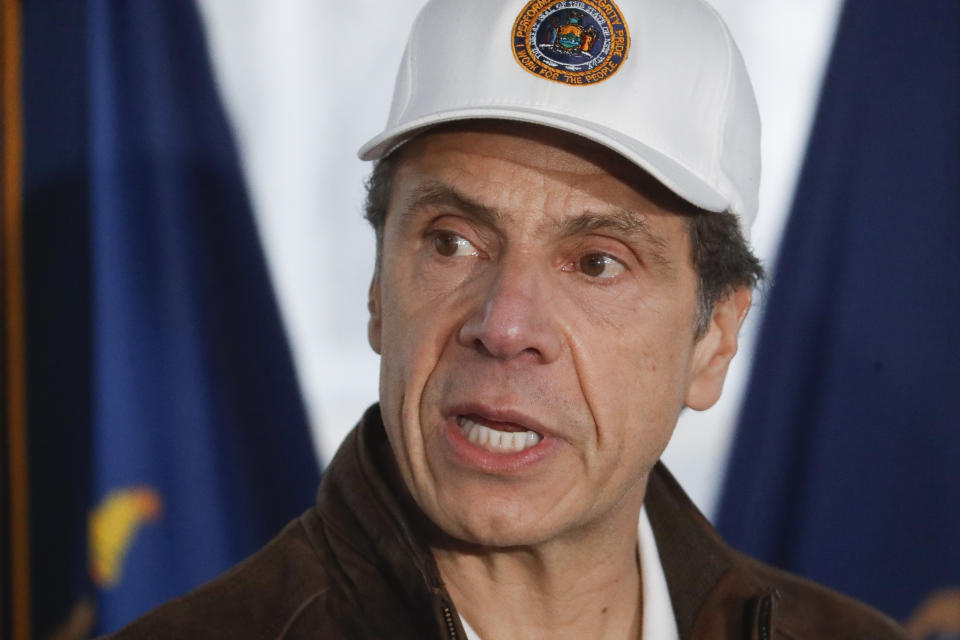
(481, 348)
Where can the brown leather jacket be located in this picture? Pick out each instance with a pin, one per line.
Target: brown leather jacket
(354, 566)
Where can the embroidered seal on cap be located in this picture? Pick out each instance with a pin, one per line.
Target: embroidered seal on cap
(575, 42)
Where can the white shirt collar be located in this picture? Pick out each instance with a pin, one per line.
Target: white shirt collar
(659, 622)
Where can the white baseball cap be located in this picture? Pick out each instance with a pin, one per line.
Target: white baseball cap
(660, 82)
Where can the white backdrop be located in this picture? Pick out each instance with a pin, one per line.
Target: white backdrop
(306, 82)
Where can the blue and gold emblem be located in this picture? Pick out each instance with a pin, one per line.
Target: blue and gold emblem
(575, 42)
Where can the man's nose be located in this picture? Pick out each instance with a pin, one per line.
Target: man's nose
(514, 317)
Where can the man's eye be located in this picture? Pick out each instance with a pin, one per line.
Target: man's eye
(450, 244)
(600, 265)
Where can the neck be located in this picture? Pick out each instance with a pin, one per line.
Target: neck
(585, 587)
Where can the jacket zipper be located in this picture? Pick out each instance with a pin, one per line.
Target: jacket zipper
(451, 626)
(765, 607)
(765, 611)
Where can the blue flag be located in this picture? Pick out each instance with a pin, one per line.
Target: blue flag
(168, 436)
(846, 466)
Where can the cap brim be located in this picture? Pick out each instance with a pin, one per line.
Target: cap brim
(676, 177)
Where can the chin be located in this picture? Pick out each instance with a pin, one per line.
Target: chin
(501, 535)
(493, 526)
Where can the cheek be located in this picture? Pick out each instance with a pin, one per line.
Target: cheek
(420, 318)
(411, 347)
(633, 372)
(408, 343)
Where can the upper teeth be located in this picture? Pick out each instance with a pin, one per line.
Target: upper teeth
(494, 440)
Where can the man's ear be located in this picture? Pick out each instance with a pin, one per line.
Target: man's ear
(374, 327)
(716, 348)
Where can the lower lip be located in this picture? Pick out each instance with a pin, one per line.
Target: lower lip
(494, 462)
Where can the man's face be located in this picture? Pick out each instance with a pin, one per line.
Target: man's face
(535, 316)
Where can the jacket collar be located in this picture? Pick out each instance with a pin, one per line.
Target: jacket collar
(374, 527)
(374, 530)
(711, 589)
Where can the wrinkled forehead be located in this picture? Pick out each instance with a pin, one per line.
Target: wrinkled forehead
(550, 151)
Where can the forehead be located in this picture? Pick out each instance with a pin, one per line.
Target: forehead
(492, 155)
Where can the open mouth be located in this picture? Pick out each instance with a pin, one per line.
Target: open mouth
(498, 437)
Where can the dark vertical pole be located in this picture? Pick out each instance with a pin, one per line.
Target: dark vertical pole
(18, 569)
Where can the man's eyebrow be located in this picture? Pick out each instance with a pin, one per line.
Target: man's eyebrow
(621, 222)
(441, 195)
